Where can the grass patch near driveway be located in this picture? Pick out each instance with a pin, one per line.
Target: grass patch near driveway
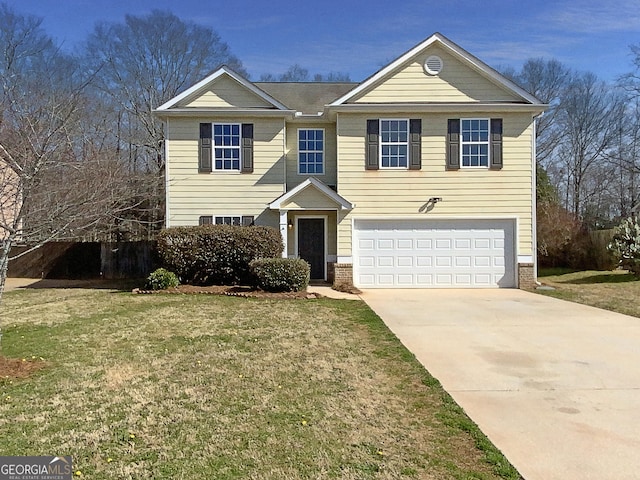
(615, 290)
(199, 386)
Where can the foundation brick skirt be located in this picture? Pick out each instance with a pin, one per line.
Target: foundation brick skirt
(342, 273)
(526, 280)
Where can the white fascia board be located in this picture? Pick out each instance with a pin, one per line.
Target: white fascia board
(223, 112)
(218, 73)
(438, 107)
(457, 51)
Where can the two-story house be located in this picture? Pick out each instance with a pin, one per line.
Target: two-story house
(422, 175)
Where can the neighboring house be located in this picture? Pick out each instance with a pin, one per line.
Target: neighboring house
(10, 201)
(423, 175)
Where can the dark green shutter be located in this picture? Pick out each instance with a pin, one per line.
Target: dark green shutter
(415, 144)
(204, 148)
(247, 148)
(247, 220)
(371, 152)
(496, 144)
(453, 144)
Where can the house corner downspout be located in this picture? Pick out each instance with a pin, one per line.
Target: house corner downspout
(534, 199)
(166, 174)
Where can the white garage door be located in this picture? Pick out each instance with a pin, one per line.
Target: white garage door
(433, 253)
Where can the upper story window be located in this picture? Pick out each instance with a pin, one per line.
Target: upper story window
(394, 143)
(311, 151)
(226, 146)
(474, 134)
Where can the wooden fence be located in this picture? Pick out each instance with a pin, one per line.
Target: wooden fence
(81, 260)
(600, 256)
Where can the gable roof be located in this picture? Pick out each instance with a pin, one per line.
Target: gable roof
(306, 97)
(453, 49)
(315, 184)
(204, 84)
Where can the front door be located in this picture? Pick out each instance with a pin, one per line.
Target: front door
(311, 240)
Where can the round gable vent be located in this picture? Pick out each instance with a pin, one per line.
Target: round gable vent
(433, 65)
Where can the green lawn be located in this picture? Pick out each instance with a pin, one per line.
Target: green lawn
(199, 386)
(615, 290)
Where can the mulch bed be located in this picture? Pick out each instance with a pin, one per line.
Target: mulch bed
(12, 368)
(246, 292)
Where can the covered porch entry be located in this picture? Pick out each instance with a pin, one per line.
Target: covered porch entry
(309, 216)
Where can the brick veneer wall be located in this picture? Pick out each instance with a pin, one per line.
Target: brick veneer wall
(526, 280)
(343, 273)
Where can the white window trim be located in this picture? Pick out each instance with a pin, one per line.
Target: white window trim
(396, 143)
(488, 143)
(324, 139)
(214, 146)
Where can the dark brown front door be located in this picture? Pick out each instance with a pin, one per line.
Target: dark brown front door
(311, 245)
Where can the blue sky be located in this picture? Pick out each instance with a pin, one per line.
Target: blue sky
(358, 37)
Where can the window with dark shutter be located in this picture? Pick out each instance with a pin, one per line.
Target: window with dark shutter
(453, 144)
(496, 144)
(415, 144)
(204, 148)
(371, 151)
(247, 148)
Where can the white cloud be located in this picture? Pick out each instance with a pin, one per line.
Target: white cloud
(589, 16)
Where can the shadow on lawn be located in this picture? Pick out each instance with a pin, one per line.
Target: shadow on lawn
(602, 278)
(124, 285)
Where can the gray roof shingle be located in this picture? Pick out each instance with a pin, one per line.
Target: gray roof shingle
(306, 97)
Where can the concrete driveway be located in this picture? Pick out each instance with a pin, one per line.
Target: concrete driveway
(554, 385)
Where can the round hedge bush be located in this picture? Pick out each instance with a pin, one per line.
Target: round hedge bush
(161, 279)
(281, 274)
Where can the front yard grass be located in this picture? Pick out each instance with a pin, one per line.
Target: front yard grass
(199, 386)
(615, 290)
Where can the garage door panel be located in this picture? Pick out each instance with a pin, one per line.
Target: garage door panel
(443, 243)
(480, 243)
(385, 244)
(424, 261)
(419, 253)
(463, 261)
(385, 262)
(424, 280)
(366, 244)
(405, 261)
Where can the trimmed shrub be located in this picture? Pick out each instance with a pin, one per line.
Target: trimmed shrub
(216, 254)
(161, 279)
(281, 274)
(625, 244)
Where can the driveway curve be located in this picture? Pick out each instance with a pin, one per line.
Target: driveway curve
(554, 385)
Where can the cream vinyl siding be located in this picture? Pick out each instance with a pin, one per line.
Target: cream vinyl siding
(192, 194)
(466, 193)
(457, 82)
(329, 177)
(310, 198)
(226, 92)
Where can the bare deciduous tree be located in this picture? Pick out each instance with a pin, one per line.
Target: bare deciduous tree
(52, 186)
(139, 65)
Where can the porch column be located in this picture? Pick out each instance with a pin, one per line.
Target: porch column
(284, 231)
